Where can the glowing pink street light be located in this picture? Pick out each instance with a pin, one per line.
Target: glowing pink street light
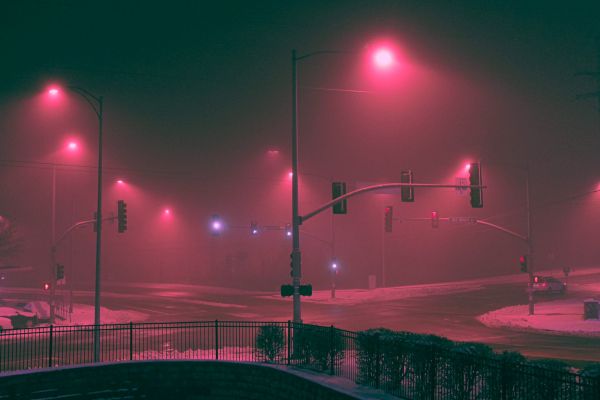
(120, 182)
(53, 92)
(72, 145)
(383, 58)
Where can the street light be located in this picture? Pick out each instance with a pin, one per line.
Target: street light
(386, 59)
(97, 105)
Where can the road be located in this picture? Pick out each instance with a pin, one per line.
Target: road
(452, 314)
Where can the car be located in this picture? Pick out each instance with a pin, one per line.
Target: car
(548, 284)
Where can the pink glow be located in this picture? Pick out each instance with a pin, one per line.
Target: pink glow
(53, 92)
(467, 167)
(72, 146)
(273, 152)
(290, 174)
(120, 181)
(383, 58)
(167, 211)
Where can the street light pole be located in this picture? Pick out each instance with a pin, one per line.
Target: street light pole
(97, 104)
(296, 255)
(530, 254)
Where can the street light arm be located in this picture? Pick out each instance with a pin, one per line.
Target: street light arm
(87, 95)
(505, 230)
(321, 52)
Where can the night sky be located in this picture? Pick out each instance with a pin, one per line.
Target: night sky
(196, 95)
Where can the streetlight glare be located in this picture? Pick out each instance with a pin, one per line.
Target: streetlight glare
(53, 92)
(120, 181)
(72, 146)
(383, 58)
(467, 167)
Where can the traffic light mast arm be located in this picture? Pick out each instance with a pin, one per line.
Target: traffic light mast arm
(382, 186)
(502, 229)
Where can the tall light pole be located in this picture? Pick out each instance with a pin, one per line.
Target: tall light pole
(383, 58)
(97, 104)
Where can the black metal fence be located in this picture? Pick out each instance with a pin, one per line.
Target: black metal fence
(399, 367)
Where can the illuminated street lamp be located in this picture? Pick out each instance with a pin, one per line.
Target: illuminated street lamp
(216, 225)
(383, 58)
(97, 105)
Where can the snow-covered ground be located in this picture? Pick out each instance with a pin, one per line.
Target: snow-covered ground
(358, 296)
(83, 314)
(555, 317)
(559, 317)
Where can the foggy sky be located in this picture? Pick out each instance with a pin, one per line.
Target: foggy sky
(195, 96)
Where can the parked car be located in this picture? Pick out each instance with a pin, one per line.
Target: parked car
(548, 284)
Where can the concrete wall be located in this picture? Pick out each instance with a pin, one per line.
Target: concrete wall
(164, 380)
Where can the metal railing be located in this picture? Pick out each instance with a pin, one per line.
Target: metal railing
(408, 370)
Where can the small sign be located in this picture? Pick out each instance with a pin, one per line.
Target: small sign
(462, 220)
(463, 185)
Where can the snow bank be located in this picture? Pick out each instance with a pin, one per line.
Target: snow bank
(555, 317)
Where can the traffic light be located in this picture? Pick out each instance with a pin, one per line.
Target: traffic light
(475, 180)
(435, 219)
(122, 215)
(287, 290)
(288, 230)
(388, 215)
(60, 272)
(46, 286)
(305, 290)
(339, 189)
(523, 262)
(407, 193)
(254, 228)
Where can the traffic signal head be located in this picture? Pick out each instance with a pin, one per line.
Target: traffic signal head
(388, 216)
(60, 272)
(46, 286)
(475, 180)
(339, 189)
(122, 215)
(407, 193)
(435, 219)
(523, 262)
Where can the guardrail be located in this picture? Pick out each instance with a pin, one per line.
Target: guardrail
(402, 364)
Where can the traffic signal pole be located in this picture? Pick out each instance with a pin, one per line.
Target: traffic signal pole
(295, 257)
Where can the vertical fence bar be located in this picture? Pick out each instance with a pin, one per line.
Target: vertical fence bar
(378, 361)
(130, 340)
(331, 351)
(50, 347)
(289, 342)
(216, 339)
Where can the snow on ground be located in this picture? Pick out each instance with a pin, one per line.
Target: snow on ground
(83, 314)
(555, 317)
(358, 296)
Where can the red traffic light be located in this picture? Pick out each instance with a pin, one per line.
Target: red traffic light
(435, 219)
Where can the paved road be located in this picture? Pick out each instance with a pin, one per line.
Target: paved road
(451, 315)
